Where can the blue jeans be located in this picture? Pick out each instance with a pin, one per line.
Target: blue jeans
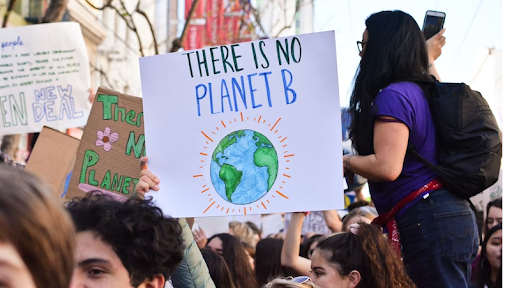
(439, 237)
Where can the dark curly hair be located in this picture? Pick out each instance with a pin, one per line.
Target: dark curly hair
(147, 242)
(367, 252)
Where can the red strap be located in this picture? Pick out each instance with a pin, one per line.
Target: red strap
(388, 219)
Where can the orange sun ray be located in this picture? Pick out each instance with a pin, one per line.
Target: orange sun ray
(223, 124)
(198, 175)
(287, 176)
(209, 207)
(275, 124)
(282, 194)
(283, 140)
(205, 190)
(207, 136)
(264, 205)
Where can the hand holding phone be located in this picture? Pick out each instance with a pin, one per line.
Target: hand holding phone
(433, 23)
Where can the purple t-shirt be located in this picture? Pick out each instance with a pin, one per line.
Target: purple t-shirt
(406, 102)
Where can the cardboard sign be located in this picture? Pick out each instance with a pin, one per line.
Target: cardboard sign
(250, 128)
(52, 159)
(44, 78)
(314, 223)
(111, 146)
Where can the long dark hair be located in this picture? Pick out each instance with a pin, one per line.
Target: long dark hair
(233, 253)
(367, 252)
(494, 203)
(218, 268)
(395, 51)
(267, 263)
(484, 277)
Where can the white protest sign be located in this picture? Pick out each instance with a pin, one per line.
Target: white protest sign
(272, 224)
(212, 225)
(313, 223)
(250, 128)
(44, 78)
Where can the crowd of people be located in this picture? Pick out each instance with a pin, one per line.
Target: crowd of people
(98, 241)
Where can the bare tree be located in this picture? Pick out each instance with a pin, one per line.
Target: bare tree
(127, 16)
(8, 11)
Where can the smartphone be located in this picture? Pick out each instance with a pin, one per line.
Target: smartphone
(433, 23)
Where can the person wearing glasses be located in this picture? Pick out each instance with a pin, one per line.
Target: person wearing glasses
(291, 282)
(434, 230)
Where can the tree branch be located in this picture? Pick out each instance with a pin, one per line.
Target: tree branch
(55, 11)
(297, 9)
(178, 42)
(108, 5)
(8, 12)
(150, 27)
(256, 14)
(103, 74)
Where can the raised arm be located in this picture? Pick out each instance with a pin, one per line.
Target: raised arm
(434, 47)
(291, 248)
(332, 220)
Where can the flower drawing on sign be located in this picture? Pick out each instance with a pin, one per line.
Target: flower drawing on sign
(106, 139)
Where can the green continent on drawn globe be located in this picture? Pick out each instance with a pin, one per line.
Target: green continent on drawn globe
(244, 167)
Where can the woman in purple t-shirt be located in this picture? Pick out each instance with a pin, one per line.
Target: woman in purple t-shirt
(434, 230)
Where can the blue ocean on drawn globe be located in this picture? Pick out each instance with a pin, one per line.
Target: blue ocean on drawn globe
(234, 166)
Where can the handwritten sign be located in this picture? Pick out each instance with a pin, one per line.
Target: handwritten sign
(44, 78)
(314, 223)
(111, 146)
(251, 128)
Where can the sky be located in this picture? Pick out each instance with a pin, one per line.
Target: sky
(472, 26)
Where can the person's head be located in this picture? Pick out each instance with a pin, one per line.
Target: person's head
(394, 50)
(364, 214)
(363, 260)
(256, 230)
(242, 232)
(310, 245)
(494, 214)
(233, 252)
(357, 204)
(490, 260)
(36, 234)
(123, 244)
(268, 260)
(297, 282)
(219, 271)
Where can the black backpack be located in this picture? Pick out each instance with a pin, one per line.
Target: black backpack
(469, 143)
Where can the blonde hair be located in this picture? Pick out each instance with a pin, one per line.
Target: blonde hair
(287, 283)
(242, 232)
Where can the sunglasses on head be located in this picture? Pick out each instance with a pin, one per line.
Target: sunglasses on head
(301, 279)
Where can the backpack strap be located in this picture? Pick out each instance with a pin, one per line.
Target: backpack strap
(411, 150)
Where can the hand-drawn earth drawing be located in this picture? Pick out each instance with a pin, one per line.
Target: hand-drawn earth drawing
(244, 167)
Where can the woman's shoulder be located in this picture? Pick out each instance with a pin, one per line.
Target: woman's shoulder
(404, 87)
